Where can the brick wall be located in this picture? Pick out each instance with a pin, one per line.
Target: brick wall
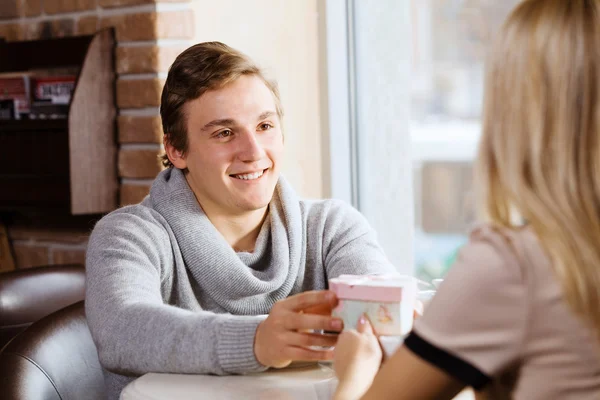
(150, 34)
(49, 240)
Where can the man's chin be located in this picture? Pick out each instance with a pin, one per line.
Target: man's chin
(250, 206)
(254, 199)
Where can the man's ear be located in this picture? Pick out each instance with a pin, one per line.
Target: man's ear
(176, 157)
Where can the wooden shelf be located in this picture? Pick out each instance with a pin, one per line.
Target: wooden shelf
(63, 165)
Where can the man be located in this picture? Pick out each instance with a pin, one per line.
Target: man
(183, 281)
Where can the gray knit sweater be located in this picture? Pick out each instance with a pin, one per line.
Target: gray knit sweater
(166, 293)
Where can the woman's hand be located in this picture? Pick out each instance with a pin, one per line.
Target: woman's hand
(357, 358)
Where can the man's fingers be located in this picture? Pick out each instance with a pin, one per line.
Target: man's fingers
(303, 322)
(302, 354)
(321, 309)
(311, 339)
(308, 300)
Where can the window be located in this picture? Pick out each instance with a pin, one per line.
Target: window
(411, 82)
(450, 40)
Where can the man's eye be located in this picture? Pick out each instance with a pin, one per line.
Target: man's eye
(265, 126)
(224, 134)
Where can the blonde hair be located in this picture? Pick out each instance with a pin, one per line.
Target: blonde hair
(540, 150)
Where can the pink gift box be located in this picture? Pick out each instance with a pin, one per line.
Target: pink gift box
(387, 300)
(385, 288)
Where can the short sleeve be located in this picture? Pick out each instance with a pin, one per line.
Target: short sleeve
(475, 325)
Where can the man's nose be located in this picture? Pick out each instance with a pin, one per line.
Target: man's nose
(250, 147)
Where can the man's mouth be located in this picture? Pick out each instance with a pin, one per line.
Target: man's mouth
(249, 176)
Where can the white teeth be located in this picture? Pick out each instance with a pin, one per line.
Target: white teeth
(248, 177)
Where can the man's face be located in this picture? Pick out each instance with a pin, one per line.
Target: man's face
(235, 145)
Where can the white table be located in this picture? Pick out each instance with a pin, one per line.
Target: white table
(312, 382)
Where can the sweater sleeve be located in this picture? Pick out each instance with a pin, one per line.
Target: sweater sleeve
(350, 244)
(135, 332)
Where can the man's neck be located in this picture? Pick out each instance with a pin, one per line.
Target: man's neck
(240, 231)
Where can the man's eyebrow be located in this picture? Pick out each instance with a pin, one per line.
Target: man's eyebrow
(231, 122)
(266, 115)
(219, 122)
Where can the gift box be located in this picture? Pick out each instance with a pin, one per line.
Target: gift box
(387, 300)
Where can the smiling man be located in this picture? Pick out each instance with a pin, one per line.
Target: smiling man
(221, 269)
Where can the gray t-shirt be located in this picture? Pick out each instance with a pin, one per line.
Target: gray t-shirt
(166, 293)
(499, 323)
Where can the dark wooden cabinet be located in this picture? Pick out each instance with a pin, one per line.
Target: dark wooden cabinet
(63, 165)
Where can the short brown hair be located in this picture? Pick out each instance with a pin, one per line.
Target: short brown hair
(200, 68)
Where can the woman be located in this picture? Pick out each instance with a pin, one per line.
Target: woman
(518, 315)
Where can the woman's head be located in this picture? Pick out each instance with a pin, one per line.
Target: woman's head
(540, 151)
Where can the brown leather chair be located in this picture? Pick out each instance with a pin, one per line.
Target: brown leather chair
(30, 294)
(54, 359)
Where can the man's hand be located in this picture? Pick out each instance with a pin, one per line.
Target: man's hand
(284, 336)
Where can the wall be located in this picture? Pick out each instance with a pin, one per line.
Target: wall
(282, 36)
(150, 34)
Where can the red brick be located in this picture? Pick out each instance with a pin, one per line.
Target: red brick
(87, 25)
(133, 194)
(64, 6)
(11, 32)
(140, 129)
(10, 9)
(121, 3)
(68, 256)
(146, 59)
(132, 26)
(33, 31)
(32, 8)
(55, 28)
(138, 93)
(152, 25)
(28, 256)
(139, 163)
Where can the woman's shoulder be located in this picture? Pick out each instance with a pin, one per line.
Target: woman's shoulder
(517, 243)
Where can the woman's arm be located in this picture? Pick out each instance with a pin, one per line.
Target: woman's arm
(472, 331)
(403, 376)
(406, 376)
